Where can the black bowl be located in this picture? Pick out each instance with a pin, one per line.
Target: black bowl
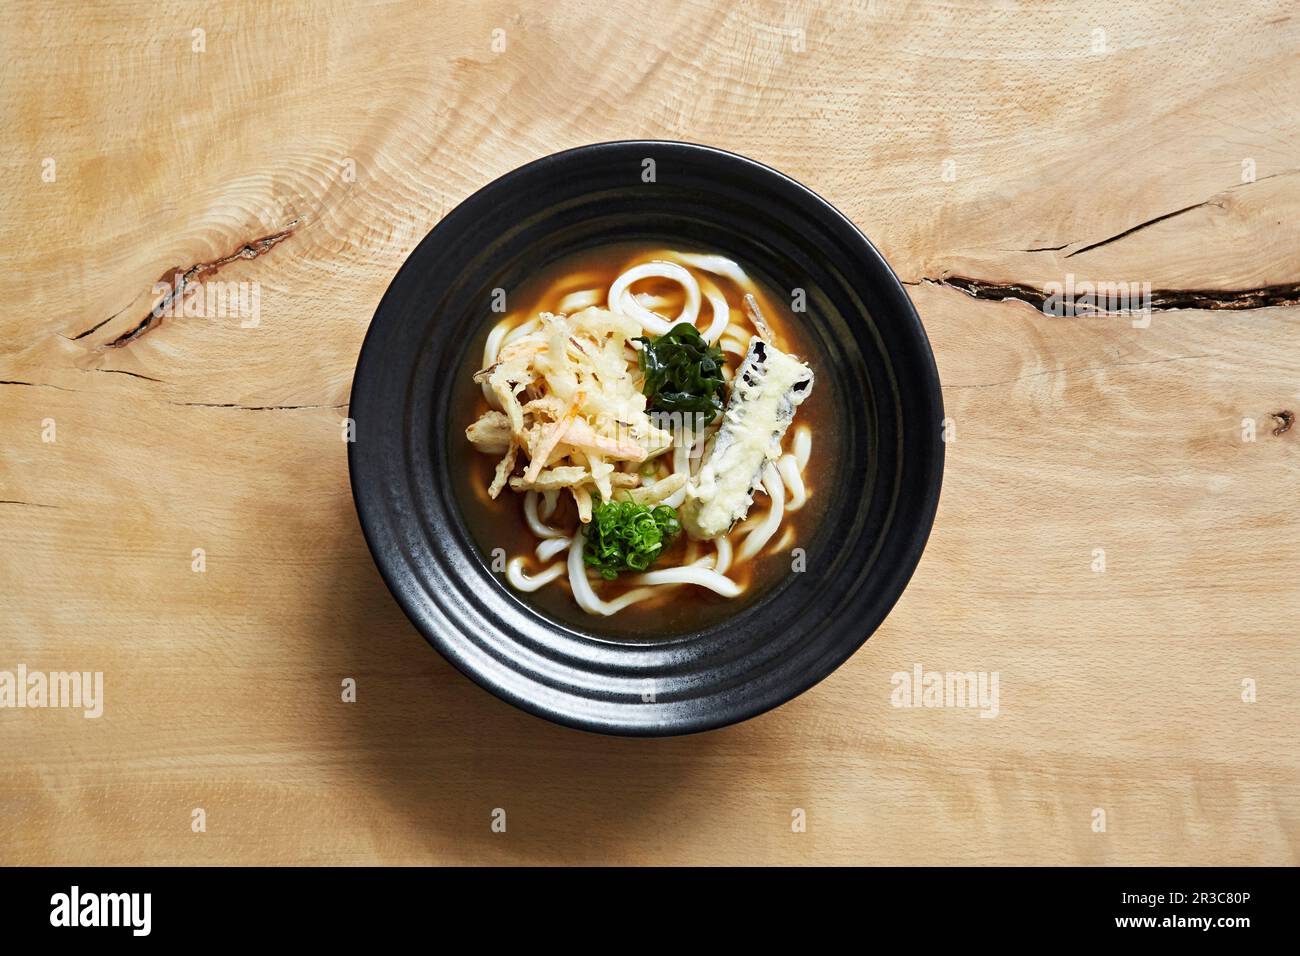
(875, 523)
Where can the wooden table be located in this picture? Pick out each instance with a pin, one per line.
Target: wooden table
(302, 150)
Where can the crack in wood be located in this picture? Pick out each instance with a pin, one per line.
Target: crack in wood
(178, 280)
(122, 371)
(254, 408)
(1161, 300)
(36, 385)
(100, 324)
(1212, 201)
(1140, 226)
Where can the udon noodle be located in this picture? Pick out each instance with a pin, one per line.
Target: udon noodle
(629, 415)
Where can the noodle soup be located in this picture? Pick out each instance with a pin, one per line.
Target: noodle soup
(646, 438)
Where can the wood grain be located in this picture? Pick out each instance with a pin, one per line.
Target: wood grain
(982, 147)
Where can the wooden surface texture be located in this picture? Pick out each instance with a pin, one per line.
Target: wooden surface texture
(988, 149)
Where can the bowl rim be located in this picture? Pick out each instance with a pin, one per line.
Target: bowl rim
(925, 379)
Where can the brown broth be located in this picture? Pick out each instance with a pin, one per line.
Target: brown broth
(501, 523)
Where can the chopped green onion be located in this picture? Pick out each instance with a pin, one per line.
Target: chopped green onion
(625, 536)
